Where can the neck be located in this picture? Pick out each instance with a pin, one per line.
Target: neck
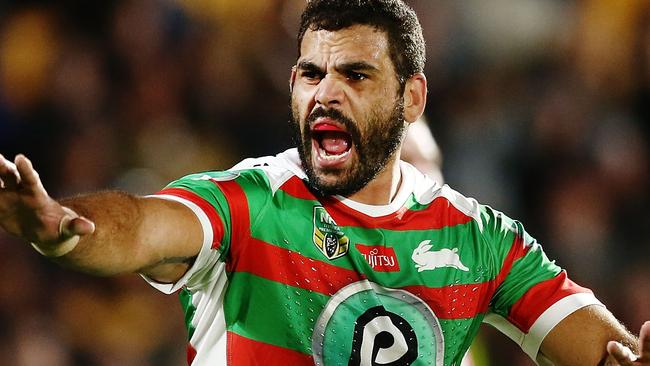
(382, 189)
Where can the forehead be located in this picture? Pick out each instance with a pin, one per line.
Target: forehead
(352, 44)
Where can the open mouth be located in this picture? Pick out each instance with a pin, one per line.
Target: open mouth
(332, 143)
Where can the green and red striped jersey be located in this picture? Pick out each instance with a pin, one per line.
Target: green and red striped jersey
(286, 277)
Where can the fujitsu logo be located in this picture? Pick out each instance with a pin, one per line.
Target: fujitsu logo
(380, 258)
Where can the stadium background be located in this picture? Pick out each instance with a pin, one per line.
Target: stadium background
(540, 108)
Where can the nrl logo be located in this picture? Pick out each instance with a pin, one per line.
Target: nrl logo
(328, 237)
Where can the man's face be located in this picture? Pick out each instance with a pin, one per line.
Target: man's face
(346, 107)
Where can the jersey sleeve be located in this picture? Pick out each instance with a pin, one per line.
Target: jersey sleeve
(216, 198)
(533, 294)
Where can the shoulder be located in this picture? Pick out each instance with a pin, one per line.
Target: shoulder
(276, 169)
(284, 161)
(266, 173)
(427, 191)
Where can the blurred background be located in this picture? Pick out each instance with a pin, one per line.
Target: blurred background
(541, 109)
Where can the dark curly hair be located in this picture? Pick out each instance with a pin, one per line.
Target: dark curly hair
(394, 17)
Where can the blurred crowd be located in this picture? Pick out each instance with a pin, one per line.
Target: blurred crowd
(541, 110)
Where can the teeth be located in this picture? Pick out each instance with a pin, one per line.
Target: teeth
(325, 155)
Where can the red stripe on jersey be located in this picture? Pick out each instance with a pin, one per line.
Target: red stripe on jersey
(239, 214)
(191, 354)
(247, 352)
(206, 207)
(296, 187)
(456, 301)
(291, 268)
(439, 214)
(518, 249)
(540, 297)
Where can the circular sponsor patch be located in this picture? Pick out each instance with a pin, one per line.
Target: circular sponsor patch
(365, 324)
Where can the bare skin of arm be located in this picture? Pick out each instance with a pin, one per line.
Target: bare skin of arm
(593, 336)
(117, 232)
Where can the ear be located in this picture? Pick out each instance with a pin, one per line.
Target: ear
(415, 97)
(424, 244)
(292, 78)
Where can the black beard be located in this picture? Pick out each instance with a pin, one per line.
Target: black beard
(374, 147)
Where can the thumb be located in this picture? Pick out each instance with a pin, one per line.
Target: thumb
(77, 226)
(622, 354)
(72, 224)
(71, 228)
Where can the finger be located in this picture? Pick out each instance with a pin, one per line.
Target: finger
(644, 342)
(29, 176)
(9, 177)
(623, 355)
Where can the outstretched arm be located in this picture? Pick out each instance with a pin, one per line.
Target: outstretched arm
(102, 233)
(592, 336)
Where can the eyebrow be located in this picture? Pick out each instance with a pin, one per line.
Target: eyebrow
(342, 68)
(355, 66)
(309, 66)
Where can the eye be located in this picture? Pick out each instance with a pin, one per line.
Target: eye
(311, 76)
(356, 76)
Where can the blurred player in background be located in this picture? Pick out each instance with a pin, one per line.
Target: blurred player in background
(421, 149)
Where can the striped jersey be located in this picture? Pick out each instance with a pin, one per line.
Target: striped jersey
(287, 277)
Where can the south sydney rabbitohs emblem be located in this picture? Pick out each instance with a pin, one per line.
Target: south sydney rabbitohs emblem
(365, 324)
(328, 237)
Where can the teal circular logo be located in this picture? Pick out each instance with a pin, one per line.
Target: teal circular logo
(365, 324)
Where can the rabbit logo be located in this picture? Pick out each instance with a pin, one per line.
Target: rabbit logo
(426, 260)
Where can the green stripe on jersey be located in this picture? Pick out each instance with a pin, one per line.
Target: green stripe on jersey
(470, 252)
(257, 188)
(269, 307)
(534, 265)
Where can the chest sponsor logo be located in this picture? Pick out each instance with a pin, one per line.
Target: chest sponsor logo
(427, 260)
(380, 258)
(365, 324)
(328, 237)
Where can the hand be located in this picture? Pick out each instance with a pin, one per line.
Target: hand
(27, 211)
(625, 357)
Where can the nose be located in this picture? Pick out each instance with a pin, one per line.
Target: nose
(330, 92)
